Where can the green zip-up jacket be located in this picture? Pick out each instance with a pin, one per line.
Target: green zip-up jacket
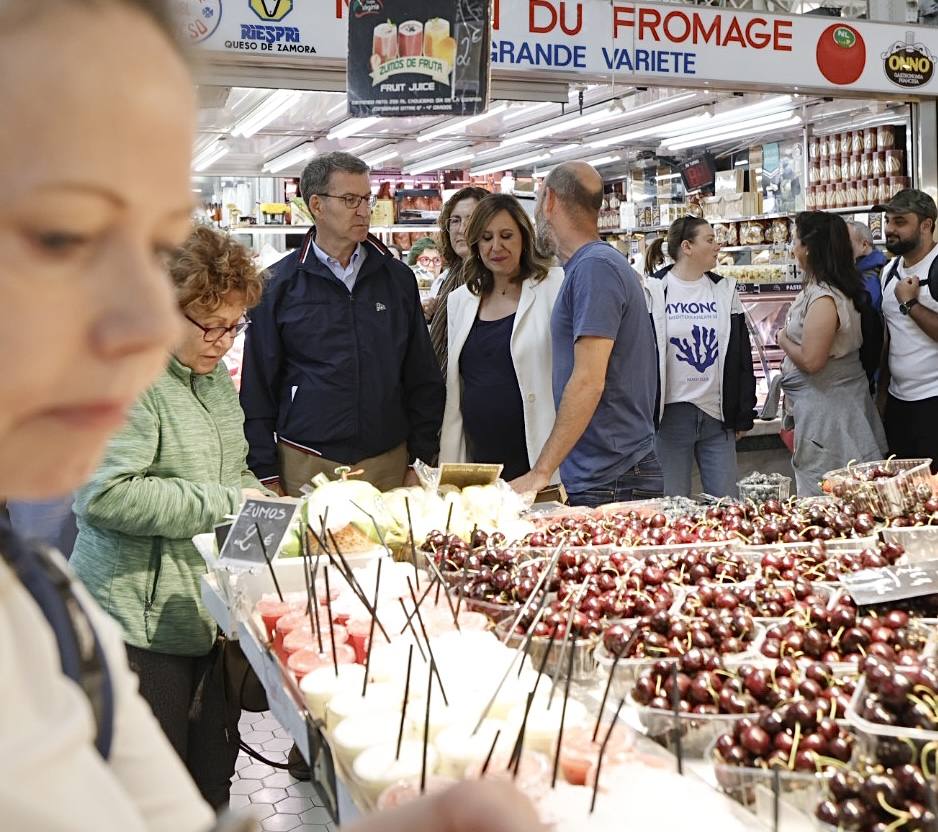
(176, 469)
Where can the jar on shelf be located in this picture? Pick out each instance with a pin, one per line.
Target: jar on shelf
(825, 170)
(885, 137)
(824, 147)
(861, 192)
(866, 166)
(836, 169)
(856, 142)
(813, 147)
(850, 195)
(820, 198)
(846, 142)
(896, 184)
(854, 166)
(879, 163)
(840, 195)
(810, 199)
(882, 189)
(895, 162)
(869, 140)
(814, 172)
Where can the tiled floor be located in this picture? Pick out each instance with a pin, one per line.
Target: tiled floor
(279, 802)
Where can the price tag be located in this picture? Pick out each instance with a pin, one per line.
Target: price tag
(462, 475)
(892, 583)
(269, 518)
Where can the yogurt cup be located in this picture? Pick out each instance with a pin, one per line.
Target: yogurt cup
(358, 733)
(380, 698)
(319, 686)
(405, 791)
(376, 769)
(459, 748)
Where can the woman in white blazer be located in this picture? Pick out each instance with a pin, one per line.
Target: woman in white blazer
(499, 400)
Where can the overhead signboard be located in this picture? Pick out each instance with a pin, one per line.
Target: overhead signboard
(641, 43)
(418, 57)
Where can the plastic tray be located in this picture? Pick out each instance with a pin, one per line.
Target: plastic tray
(754, 787)
(919, 542)
(584, 665)
(890, 497)
(780, 491)
(825, 591)
(698, 731)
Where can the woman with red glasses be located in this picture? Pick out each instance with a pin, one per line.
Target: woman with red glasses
(176, 469)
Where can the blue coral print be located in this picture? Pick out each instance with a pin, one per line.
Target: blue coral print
(703, 353)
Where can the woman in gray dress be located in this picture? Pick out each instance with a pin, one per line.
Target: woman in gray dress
(827, 392)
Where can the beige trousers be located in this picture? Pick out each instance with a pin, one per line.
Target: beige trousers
(384, 471)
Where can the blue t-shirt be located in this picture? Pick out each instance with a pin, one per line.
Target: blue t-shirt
(602, 296)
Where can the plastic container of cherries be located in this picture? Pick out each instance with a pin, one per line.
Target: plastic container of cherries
(885, 488)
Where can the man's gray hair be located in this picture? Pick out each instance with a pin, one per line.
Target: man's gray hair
(862, 230)
(316, 175)
(571, 191)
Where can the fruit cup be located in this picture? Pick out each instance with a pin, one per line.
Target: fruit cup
(380, 766)
(322, 684)
(406, 791)
(305, 661)
(579, 751)
(270, 611)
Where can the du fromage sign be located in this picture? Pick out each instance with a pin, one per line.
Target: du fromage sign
(417, 57)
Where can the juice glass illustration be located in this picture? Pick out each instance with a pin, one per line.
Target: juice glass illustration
(435, 32)
(384, 41)
(410, 39)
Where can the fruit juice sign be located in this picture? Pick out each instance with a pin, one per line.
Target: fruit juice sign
(417, 57)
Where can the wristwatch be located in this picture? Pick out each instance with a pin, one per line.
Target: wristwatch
(906, 308)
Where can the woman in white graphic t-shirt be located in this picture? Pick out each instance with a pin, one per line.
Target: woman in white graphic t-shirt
(707, 390)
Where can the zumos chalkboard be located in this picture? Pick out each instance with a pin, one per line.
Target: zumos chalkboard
(892, 583)
(269, 519)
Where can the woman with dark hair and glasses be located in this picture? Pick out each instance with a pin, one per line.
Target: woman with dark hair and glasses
(176, 469)
(827, 392)
(454, 220)
(707, 389)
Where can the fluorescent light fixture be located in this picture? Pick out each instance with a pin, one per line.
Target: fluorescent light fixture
(742, 163)
(292, 157)
(524, 111)
(714, 130)
(455, 125)
(666, 176)
(565, 147)
(341, 106)
(350, 127)
(441, 162)
(425, 152)
(595, 116)
(379, 156)
(360, 147)
(683, 142)
(210, 155)
(604, 160)
(509, 164)
(276, 104)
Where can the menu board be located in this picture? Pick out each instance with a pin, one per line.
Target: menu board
(418, 57)
(892, 583)
(260, 527)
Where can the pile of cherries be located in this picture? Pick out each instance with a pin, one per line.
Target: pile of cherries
(900, 694)
(839, 634)
(765, 598)
(876, 798)
(815, 562)
(665, 635)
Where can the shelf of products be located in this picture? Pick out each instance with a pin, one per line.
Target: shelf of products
(754, 628)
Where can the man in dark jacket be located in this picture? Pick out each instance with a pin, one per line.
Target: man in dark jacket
(338, 366)
(870, 261)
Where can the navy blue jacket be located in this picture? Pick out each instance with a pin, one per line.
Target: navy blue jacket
(350, 374)
(870, 267)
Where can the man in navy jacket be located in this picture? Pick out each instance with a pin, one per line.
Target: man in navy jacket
(338, 365)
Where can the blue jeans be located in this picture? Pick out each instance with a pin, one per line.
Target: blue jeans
(641, 482)
(687, 433)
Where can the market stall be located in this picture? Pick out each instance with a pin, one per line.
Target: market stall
(760, 658)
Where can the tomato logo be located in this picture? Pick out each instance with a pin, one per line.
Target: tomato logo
(841, 54)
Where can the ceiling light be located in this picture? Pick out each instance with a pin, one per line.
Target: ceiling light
(342, 106)
(360, 147)
(595, 116)
(565, 147)
(681, 143)
(210, 155)
(460, 123)
(350, 127)
(604, 160)
(516, 113)
(714, 130)
(292, 157)
(441, 162)
(426, 152)
(509, 164)
(273, 106)
(379, 156)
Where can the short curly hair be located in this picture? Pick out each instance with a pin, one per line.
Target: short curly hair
(420, 247)
(209, 266)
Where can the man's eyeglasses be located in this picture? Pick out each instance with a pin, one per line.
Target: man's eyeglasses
(352, 201)
(424, 260)
(213, 334)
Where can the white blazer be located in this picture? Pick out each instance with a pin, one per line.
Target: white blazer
(530, 353)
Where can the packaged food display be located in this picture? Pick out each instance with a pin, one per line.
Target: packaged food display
(895, 162)
(861, 193)
(813, 147)
(779, 232)
(866, 166)
(879, 163)
(846, 142)
(885, 137)
(896, 184)
(824, 146)
(810, 199)
(856, 142)
(855, 163)
(824, 171)
(869, 139)
(751, 233)
(820, 201)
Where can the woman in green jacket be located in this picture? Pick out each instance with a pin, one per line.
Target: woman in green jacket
(176, 469)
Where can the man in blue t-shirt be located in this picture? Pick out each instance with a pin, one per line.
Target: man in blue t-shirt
(604, 363)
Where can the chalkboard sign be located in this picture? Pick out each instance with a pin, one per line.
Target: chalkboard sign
(892, 583)
(271, 517)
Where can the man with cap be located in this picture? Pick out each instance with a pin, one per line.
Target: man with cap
(910, 307)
